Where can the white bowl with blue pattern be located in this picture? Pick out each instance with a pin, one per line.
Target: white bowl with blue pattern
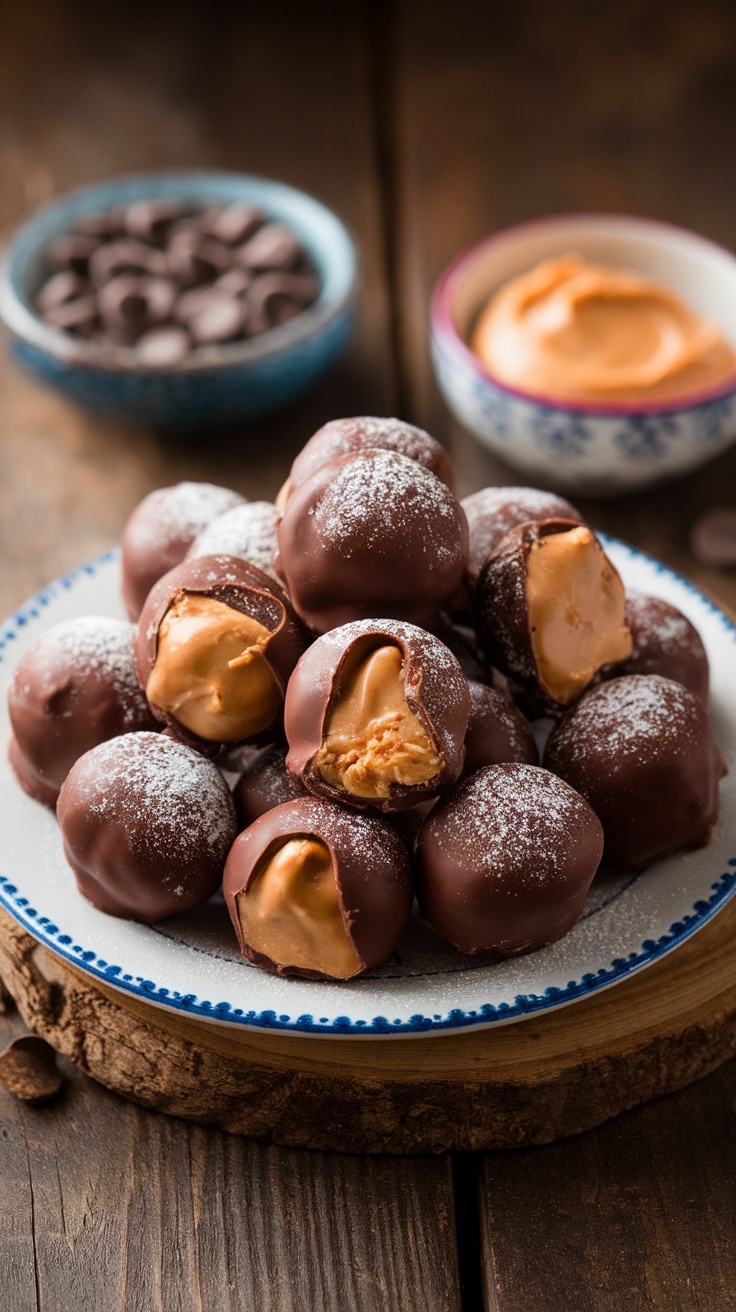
(593, 450)
(217, 385)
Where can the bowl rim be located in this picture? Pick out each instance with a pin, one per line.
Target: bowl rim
(445, 333)
(21, 319)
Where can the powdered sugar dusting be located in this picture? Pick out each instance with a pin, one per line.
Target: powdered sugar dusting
(96, 645)
(247, 531)
(167, 797)
(637, 717)
(405, 492)
(181, 511)
(512, 818)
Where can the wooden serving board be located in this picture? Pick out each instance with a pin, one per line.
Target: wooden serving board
(535, 1081)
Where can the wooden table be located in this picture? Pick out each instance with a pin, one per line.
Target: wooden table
(425, 125)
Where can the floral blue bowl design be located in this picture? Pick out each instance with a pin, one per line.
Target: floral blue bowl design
(219, 385)
(592, 450)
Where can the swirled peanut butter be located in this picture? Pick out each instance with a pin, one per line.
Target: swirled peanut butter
(586, 332)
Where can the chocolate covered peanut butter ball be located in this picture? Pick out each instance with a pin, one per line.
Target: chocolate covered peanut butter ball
(160, 531)
(642, 750)
(147, 824)
(376, 713)
(74, 688)
(550, 611)
(372, 534)
(505, 860)
(265, 783)
(318, 891)
(217, 642)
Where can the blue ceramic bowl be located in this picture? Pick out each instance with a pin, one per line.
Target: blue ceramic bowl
(603, 450)
(219, 384)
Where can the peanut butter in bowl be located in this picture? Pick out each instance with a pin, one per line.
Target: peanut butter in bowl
(579, 331)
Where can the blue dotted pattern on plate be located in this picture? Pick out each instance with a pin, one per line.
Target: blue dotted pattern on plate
(524, 1004)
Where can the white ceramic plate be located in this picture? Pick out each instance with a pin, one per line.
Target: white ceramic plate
(191, 962)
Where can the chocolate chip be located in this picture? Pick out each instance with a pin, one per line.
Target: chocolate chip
(713, 537)
(125, 257)
(237, 223)
(275, 298)
(131, 303)
(219, 321)
(151, 221)
(194, 259)
(107, 225)
(163, 346)
(28, 1069)
(274, 246)
(72, 253)
(60, 288)
(234, 281)
(77, 316)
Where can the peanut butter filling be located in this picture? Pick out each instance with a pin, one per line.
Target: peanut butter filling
(291, 911)
(211, 674)
(587, 332)
(576, 611)
(372, 739)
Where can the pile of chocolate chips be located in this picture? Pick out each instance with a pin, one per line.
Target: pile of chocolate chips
(165, 281)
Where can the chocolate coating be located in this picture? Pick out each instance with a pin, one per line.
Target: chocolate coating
(666, 643)
(505, 860)
(236, 584)
(74, 688)
(372, 534)
(435, 690)
(497, 731)
(641, 749)
(371, 865)
(264, 784)
(160, 531)
(494, 511)
(147, 824)
(347, 437)
(247, 531)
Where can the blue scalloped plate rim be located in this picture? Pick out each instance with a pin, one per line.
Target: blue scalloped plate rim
(62, 943)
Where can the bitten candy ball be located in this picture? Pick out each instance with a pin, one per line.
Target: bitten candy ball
(217, 642)
(550, 610)
(372, 534)
(318, 891)
(505, 860)
(376, 714)
(74, 688)
(160, 531)
(641, 749)
(147, 824)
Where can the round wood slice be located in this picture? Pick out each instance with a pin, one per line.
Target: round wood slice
(531, 1082)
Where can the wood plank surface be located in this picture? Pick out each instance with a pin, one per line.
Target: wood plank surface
(638, 1215)
(106, 1207)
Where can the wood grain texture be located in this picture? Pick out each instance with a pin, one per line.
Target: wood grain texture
(639, 1215)
(546, 1078)
(108, 1208)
